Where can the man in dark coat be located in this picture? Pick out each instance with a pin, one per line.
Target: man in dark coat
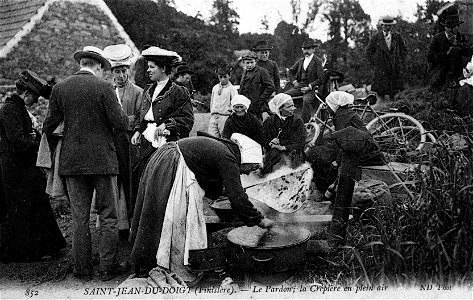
(306, 75)
(262, 51)
(386, 53)
(90, 110)
(256, 85)
(448, 54)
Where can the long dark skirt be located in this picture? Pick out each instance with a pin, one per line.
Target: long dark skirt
(29, 230)
(153, 193)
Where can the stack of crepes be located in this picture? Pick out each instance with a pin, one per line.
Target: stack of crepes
(284, 190)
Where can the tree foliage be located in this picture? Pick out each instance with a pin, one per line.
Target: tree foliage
(224, 16)
(206, 44)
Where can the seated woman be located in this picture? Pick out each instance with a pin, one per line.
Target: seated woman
(325, 159)
(241, 121)
(284, 134)
(168, 219)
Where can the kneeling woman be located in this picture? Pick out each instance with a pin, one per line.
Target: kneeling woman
(284, 134)
(168, 219)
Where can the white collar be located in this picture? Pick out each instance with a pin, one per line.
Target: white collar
(309, 58)
(88, 70)
(162, 82)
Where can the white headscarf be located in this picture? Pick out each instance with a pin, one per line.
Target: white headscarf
(240, 99)
(277, 102)
(468, 73)
(251, 152)
(336, 99)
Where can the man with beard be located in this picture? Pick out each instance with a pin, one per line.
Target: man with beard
(448, 52)
(262, 51)
(386, 53)
(306, 75)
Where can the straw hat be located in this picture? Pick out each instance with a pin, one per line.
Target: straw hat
(119, 55)
(92, 52)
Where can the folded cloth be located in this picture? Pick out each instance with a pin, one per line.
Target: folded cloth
(43, 159)
(56, 186)
(150, 136)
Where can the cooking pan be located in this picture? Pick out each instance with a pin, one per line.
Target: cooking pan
(280, 249)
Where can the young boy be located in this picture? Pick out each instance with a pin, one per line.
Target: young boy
(220, 108)
(256, 85)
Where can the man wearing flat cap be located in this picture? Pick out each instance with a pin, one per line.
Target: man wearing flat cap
(306, 75)
(256, 85)
(130, 97)
(262, 51)
(386, 53)
(91, 112)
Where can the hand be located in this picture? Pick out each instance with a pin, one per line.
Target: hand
(160, 131)
(305, 89)
(295, 83)
(33, 135)
(136, 138)
(280, 148)
(311, 144)
(266, 223)
(274, 141)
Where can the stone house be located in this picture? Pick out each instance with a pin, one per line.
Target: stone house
(42, 35)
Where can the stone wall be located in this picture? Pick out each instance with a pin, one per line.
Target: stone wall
(48, 49)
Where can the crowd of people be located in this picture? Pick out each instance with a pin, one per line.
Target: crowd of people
(124, 150)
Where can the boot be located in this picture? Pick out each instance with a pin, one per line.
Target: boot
(341, 211)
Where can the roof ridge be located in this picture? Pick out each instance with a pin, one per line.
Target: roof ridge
(26, 28)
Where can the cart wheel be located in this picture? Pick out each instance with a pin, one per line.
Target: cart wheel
(397, 131)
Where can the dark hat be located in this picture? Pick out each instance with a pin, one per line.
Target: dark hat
(387, 20)
(179, 63)
(451, 21)
(248, 55)
(183, 69)
(309, 44)
(261, 45)
(34, 83)
(92, 52)
(223, 70)
(448, 10)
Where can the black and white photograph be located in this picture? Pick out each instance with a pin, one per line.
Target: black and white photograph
(240, 149)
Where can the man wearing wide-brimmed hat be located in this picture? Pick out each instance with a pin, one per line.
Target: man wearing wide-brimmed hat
(306, 75)
(90, 110)
(261, 48)
(130, 97)
(448, 52)
(386, 53)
